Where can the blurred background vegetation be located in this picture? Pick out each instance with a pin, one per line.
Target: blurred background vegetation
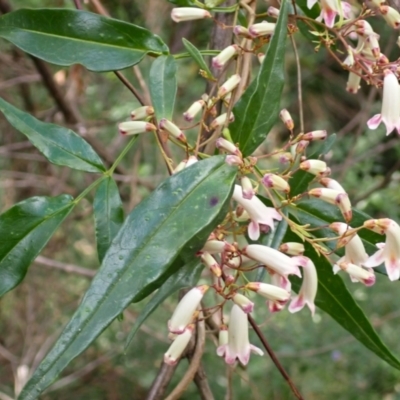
(323, 360)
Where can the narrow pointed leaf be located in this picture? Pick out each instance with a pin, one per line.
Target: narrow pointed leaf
(162, 86)
(59, 145)
(108, 214)
(171, 223)
(66, 37)
(334, 298)
(196, 55)
(257, 110)
(24, 230)
(187, 276)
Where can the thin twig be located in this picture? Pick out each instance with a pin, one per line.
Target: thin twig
(70, 268)
(274, 358)
(299, 86)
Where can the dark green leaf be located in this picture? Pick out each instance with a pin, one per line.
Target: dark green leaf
(61, 146)
(196, 55)
(187, 276)
(108, 214)
(257, 110)
(313, 13)
(24, 230)
(175, 220)
(66, 37)
(334, 298)
(301, 179)
(163, 86)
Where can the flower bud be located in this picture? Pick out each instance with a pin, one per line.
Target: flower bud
(286, 119)
(178, 346)
(271, 292)
(262, 29)
(226, 54)
(285, 158)
(261, 57)
(331, 196)
(366, 276)
(292, 248)
(141, 113)
(247, 188)
(229, 85)
(315, 167)
(314, 135)
(331, 184)
(273, 12)
(228, 146)
(364, 28)
(135, 127)
(219, 121)
(275, 182)
(243, 302)
(353, 83)
(211, 263)
(172, 129)
(193, 110)
(214, 246)
(223, 335)
(391, 16)
(188, 14)
(239, 30)
(301, 146)
(233, 160)
(190, 161)
(373, 44)
(179, 167)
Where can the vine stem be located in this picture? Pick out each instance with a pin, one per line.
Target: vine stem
(274, 358)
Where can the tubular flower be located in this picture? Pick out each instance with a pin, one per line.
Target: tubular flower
(315, 135)
(193, 110)
(243, 302)
(353, 82)
(292, 248)
(172, 129)
(181, 14)
(391, 16)
(213, 246)
(331, 184)
(366, 276)
(258, 212)
(142, 113)
(185, 309)
(341, 199)
(219, 121)
(286, 118)
(315, 167)
(329, 10)
(262, 29)
(135, 127)
(228, 146)
(308, 289)
(211, 263)
(389, 252)
(178, 346)
(277, 296)
(390, 114)
(247, 188)
(238, 346)
(229, 85)
(275, 182)
(226, 54)
(274, 259)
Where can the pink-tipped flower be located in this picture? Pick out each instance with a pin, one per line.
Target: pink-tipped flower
(228, 146)
(193, 110)
(243, 302)
(275, 182)
(261, 57)
(277, 296)
(219, 121)
(274, 259)
(247, 188)
(281, 281)
(286, 118)
(185, 309)
(331, 184)
(292, 248)
(262, 29)
(181, 14)
(211, 263)
(142, 113)
(315, 135)
(273, 12)
(308, 289)
(329, 10)
(135, 127)
(315, 167)
(391, 16)
(390, 114)
(365, 276)
(285, 158)
(240, 30)
(301, 146)
(238, 346)
(223, 336)
(178, 346)
(389, 252)
(229, 85)
(353, 82)
(335, 197)
(226, 54)
(213, 246)
(364, 28)
(233, 160)
(172, 129)
(258, 212)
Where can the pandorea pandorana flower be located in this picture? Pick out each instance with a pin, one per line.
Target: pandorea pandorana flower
(238, 346)
(178, 346)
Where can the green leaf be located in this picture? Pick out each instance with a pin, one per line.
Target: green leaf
(163, 86)
(187, 276)
(59, 145)
(172, 222)
(312, 13)
(334, 298)
(197, 57)
(66, 37)
(183, 3)
(24, 230)
(257, 110)
(108, 214)
(301, 179)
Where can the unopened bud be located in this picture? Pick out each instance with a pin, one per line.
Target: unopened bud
(373, 44)
(172, 129)
(315, 167)
(229, 85)
(301, 146)
(214, 246)
(178, 346)
(261, 57)
(223, 335)
(367, 277)
(142, 113)
(211, 263)
(271, 292)
(188, 14)
(226, 54)
(219, 121)
(286, 119)
(331, 184)
(247, 188)
(135, 127)
(239, 30)
(315, 135)
(262, 29)
(224, 144)
(275, 182)
(273, 12)
(285, 158)
(233, 160)
(349, 60)
(292, 248)
(243, 302)
(391, 16)
(338, 198)
(364, 28)
(353, 82)
(193, 110)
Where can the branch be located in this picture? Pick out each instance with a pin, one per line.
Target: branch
(70, 268)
